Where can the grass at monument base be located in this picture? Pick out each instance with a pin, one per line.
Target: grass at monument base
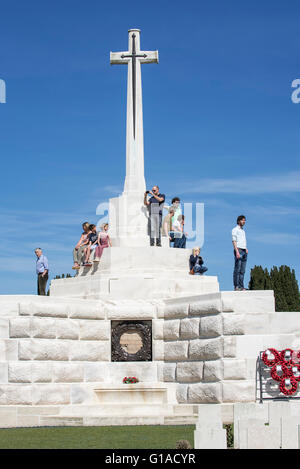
(128, 437)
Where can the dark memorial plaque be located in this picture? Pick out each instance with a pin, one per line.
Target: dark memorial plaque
(131, 341)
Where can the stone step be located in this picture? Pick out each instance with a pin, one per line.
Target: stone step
(52, 421)
(33, 305)
(185, 409)
(254, 323)
(79, 415)
(259, 301)
(55, 421)
(117, 410)
(181, 420)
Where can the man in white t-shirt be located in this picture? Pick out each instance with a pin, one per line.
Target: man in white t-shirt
(240, 253)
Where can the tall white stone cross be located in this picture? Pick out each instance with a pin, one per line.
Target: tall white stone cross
(134, 57)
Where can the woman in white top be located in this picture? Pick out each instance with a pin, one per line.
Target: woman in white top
(179, 234)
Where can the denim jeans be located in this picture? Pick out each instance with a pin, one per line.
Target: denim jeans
(199, 269)
(239, 268)
(180, 242)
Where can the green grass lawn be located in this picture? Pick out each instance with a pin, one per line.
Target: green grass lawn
(131, 437)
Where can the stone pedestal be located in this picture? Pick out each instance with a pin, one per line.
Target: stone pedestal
(133, 394)
(128, 220)
(136, 272)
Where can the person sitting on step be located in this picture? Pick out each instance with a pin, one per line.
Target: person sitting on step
(78, 251)
(103, 242)
(196, 263)
(92, 244)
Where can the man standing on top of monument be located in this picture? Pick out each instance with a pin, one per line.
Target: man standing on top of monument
(155, 206)
(42, 269)
(240, 253)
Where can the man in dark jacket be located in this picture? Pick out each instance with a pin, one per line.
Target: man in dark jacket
(155, 206)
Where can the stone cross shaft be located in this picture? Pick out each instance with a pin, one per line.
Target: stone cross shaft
(134, 57)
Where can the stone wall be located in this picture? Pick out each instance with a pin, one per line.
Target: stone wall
(57, 352)
(211, 344)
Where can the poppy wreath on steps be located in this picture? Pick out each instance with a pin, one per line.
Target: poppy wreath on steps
(284, 360)
(295, 370)
(271, 361)
(286, 372)
(288, 386)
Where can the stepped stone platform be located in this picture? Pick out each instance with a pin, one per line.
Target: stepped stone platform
(63, 357)
(55, 357)
(136, 272)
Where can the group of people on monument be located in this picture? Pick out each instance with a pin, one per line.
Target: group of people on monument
(90, 246)
(172, 226)
(90, 242)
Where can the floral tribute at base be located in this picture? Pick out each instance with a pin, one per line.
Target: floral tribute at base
(130, 380)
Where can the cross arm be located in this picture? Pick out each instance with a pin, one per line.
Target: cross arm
(152, 56)
(116, 58)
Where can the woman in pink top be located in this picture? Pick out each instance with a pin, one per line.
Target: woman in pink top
(103, 242)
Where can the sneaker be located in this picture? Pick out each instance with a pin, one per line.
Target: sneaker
(237, 289)
(87, 264)
(97, 259)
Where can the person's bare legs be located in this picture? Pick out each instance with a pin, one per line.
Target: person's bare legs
(75, 259)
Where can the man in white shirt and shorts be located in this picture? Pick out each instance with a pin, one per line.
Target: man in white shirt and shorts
(240, 253)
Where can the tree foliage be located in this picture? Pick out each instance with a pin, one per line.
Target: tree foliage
(284, 283)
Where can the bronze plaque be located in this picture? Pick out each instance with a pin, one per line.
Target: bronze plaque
(131, 341)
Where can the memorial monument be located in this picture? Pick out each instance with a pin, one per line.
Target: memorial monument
(132, 268)
(138, 313)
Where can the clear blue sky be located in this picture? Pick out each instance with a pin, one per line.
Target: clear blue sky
(219, 124)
